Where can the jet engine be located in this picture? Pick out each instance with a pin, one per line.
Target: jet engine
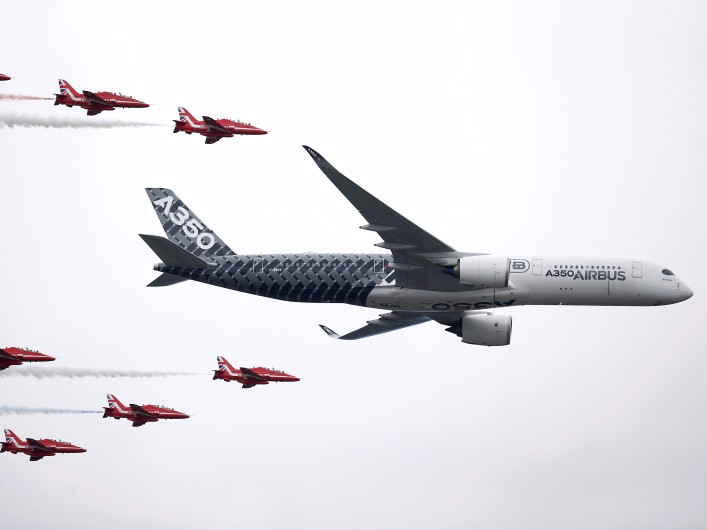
(483, 272)
(484, 329)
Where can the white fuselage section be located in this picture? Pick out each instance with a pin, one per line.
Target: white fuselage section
(550, 280)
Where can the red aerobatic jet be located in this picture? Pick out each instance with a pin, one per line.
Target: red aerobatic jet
(37, 449)
(213, 129)
(4, 77)
(249, 377)
(94, 103)
(15, 356)
(140, 415)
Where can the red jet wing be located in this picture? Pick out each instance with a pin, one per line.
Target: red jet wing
(250, 374)
(38, 450)
(213, 126)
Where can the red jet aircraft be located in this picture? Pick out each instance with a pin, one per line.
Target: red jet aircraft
(4, 77)
(37, 449)
(249, 377)
(94, 103)
(15, 356)
(213, 129)
(140, 415)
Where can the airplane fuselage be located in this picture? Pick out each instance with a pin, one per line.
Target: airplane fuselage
(368, 280)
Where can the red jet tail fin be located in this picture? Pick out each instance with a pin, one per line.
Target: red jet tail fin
(186, 117)
(225, 366)
(67, 90)
(12, 441)
(114, 403)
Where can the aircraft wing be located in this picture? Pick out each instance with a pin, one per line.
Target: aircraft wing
(418, 256)
(93, 99)
(137, 409)
(250, 374)
(7, 356)
(213, 126)
(39, 447)
(387, 322)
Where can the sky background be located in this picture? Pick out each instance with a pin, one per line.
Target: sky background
(560, 128)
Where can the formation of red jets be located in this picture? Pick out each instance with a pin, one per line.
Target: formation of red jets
(97, 102)
(213, 130)
(138, 414)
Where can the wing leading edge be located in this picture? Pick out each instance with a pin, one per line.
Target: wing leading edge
(418, 256)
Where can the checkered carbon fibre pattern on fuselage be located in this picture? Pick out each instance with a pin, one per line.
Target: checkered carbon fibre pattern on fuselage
(336, 278)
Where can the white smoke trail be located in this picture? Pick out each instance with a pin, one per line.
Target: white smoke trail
(24, 120)
(21, 97)
(70, 373)
(6, 410)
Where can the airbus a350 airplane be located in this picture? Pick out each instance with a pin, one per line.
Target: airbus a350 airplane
(423, 279)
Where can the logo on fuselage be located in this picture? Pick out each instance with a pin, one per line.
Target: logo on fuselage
(587, 275)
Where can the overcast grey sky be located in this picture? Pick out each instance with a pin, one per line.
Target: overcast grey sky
(499, 127)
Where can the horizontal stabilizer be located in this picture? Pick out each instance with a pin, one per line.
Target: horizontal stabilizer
(387, 322)
(173, 255)
(165, 280)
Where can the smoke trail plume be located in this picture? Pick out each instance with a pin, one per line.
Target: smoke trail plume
(21, 97)
(70, 373)
(6, 410)
(24, 120)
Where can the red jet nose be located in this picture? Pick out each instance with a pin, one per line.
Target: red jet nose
(50, 358)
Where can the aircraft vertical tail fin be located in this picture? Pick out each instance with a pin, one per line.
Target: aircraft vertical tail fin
(186, 117)
(12, 441)
(114, 403)
(225, 366)
(67, 90)
(184, 228)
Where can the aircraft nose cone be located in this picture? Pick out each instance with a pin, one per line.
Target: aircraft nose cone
(685, 292)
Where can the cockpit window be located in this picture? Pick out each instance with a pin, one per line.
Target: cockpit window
(668, 272)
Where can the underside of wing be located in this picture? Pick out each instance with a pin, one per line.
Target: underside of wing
(418, 256)
(94, 99)
(7, 356)
(250, 374)
(215, 127)
(137, 409)
(38, 447)
(387, 322)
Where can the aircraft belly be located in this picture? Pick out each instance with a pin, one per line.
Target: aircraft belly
(418, 300)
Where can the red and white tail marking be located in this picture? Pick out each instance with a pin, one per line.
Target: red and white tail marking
(224, 365)
(67, 90)
(12, 439)
(114, 403)
(186, 117)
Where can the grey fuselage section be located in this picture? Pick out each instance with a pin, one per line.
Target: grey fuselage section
(306, 277)
(369, 280)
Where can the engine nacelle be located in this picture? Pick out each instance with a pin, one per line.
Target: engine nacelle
(483, 272)
(485, 329)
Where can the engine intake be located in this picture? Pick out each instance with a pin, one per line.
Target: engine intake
(483, 272)
(485, 329)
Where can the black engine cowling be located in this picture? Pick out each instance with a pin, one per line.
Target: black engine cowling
(483, 272)
(486, 329)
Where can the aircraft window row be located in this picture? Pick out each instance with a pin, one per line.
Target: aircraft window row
(592, 267)
(668, 272)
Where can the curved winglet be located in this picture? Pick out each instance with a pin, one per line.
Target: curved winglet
(333, 334)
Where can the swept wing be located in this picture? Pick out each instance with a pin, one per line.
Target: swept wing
(418, 256)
